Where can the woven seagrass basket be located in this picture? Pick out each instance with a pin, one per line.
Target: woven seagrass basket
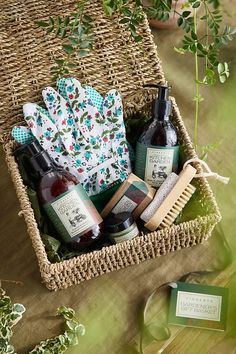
(116, 61)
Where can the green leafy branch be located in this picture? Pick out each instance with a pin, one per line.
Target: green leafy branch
(11, 314)
(131, 17)
(159, 10)
(61, 343)
(207, 47)
(75, 32)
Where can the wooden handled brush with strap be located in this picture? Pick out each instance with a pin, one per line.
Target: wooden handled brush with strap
(175, 201)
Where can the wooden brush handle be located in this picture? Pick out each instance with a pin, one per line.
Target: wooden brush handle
(184, 180)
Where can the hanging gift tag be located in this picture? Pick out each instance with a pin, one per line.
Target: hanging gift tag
(198, 305)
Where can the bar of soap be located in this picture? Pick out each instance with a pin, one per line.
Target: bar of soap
(160, 196)
(133, 196)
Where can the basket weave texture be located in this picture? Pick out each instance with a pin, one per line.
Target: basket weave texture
(116, 61)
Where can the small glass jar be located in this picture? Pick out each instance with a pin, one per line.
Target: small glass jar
(121, 227)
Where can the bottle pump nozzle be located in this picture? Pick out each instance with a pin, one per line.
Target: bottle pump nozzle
(163, 93)
(162, 106)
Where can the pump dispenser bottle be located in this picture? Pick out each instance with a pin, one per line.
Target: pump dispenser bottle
(157, 150)
(66, 203)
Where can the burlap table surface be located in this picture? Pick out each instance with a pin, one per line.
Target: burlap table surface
(109, 305)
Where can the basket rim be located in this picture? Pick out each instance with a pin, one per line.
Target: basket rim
(214, 218)
(46, 266)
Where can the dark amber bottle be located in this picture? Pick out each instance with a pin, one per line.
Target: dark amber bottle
(157, 150)
(66, 204)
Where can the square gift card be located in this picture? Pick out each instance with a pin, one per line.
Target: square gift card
(198, 305)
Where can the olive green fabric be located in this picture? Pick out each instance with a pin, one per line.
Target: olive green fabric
(109, 306)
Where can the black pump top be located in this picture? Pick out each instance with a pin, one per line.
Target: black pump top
(162, 106)
(30, 149)
(42, 162)
(35, 147)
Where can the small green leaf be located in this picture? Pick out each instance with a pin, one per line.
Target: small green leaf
(193, 35)
(72, 325)
(19, 308)
(107, 9)
(180, 21)
(210, 72)
(222, 78)
(63, 33)
(185, 14)
(58, 31)
(196, 4)
(180, 50)
(226, 69)
(127, 11)
(81, 329)
(124, 20)
(198, 98)
(59, 61)
(82, 53)
(87, 18)
(71, 65)
(59, 20)
(50, 29)
(67, 312)
(138, 38)
(72, 337)
(51, 21)
(43, 24)
(68, 48)
(220, 68)
(85, 45)
(73, 40)
(66, 21)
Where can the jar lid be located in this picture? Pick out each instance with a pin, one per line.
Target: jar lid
(118, 222)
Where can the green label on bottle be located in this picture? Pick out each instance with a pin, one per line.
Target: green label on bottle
(72, 213)
(155, 163)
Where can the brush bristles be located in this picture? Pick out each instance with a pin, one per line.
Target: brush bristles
(178, 206)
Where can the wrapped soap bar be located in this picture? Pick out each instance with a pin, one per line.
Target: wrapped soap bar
(133, 196)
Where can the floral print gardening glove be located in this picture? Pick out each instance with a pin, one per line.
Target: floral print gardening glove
(42, 127)
(92, 140)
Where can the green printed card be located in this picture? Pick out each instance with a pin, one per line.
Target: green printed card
(198, 305)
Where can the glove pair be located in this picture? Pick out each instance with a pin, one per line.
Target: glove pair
(82, 132)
